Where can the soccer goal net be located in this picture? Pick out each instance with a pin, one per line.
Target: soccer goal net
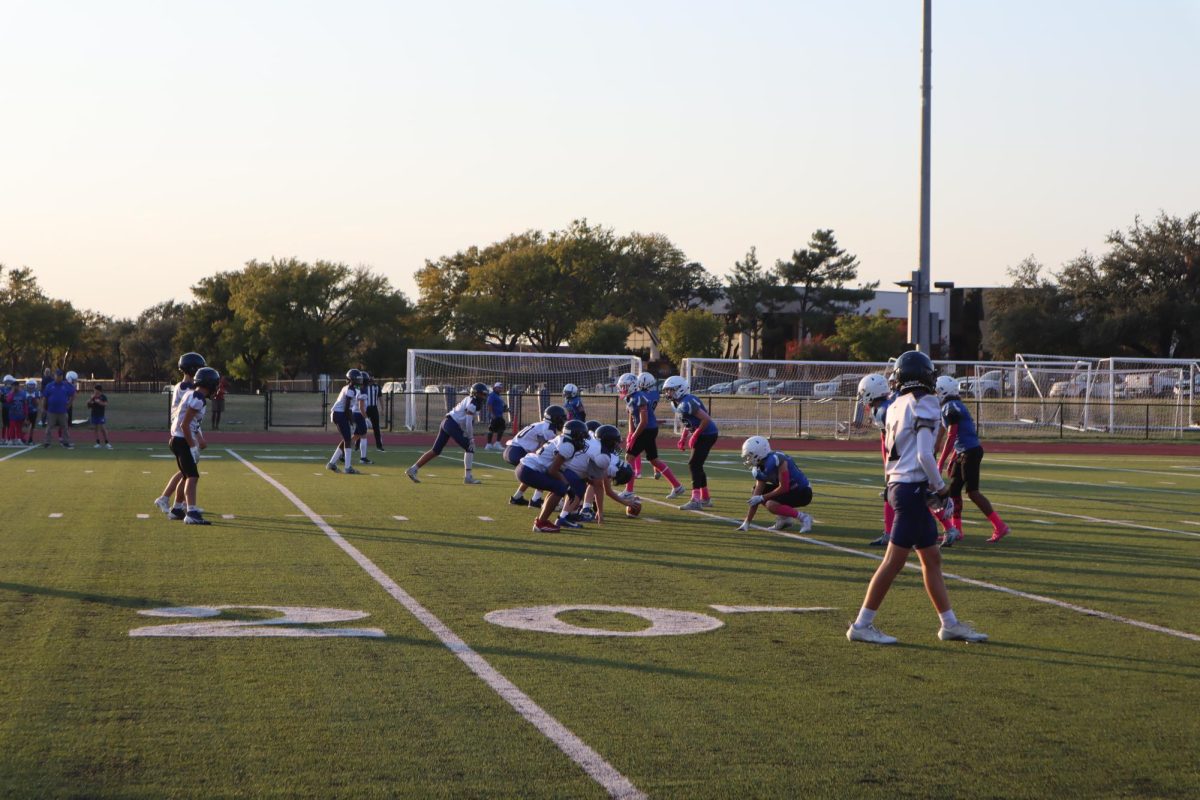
(531, 380)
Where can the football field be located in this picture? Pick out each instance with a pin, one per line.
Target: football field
(363, 636)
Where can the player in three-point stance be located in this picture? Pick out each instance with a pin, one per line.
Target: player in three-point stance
(546, 470)
(604, 468)
(779, 485)
(496, 423)
(962, 441)
(643, 432)
(347, 410)
(914, 487)
(459, 425)
(699, 435)
(530, 439)
(189, 364)
(187, 441)
(876, 393)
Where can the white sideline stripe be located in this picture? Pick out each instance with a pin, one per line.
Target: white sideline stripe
(1190, 522)
(305, 515)
(399, 518)
(56, 515)
(1090, 612)
(603, 773)
(19, 452)
(486, 519)
(762, 609)
(227, 516)
(1041, 522)
(1119, 483)
(1118, 522)
(1086, 466)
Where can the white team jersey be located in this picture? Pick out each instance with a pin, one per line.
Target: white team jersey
(189, 400)
(531, 437)
(464, 413)
(542, 459)
(177, 393)
(348, 400)
(582, 459)
(602, 465)
(905, 417)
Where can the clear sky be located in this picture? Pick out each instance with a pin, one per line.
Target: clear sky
(147, 144)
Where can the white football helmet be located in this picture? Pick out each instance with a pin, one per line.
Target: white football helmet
(754, 450)
(675, 387)
(945, 386)
(873, 387)
(71, 376)
(570, 390)
(646, 381)
(626, 383)
(10, 380)
(31, 384)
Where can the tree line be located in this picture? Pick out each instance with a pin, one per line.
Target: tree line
(586, 287)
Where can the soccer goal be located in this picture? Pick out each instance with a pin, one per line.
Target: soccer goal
(530, 379)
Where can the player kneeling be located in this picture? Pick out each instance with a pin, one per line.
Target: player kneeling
(779, 485)
(546, 470)
(530, 439)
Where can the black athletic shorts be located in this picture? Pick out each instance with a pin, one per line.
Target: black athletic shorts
(183, 457)
(647, 443)
(964, 473)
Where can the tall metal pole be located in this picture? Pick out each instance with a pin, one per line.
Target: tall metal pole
(919, 321)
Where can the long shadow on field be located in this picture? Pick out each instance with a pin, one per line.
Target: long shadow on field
(565, 659)
(86, 597)
(1015, 651)
(1087, 558)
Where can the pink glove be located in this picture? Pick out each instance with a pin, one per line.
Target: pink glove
(683, 441)
(692, 441)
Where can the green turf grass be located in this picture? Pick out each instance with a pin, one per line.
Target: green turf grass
(769, 705)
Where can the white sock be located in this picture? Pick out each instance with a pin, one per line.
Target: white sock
(948, 619)
(865, 617)
(519, 493)
(335, 457)
(178, 506)
(468, 460)
(362, 448)
(537, 494)
(347, 453)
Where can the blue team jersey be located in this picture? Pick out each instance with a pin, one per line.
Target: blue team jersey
(649, 400)
(769, 471)
(954, 412)
(18, 405)
(879, 413)
(686, 408)
(574, 407)
(495, 404)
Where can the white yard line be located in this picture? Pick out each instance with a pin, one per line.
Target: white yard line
(603, 773)
(1091, 612)
(1118, 522)
(20, 452)
(1089, 467)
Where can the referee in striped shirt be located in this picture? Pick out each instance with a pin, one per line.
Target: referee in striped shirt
(371, 390)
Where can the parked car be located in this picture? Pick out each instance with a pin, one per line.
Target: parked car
(993, 383)
(720, 388)
(1181, 388)
(1078, 387)
(753, 387)
(392, 387)
(845, 385)
(1161, 383)
(792, 388)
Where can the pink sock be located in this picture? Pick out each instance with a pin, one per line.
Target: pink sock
(670, 476)
(997, 523)
(958, 521)
(636, 463)
(782, 510)
(629, 486)
(946, 520)
(695, 494)
(704, 493)
(889, 517)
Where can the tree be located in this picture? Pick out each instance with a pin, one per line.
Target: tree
(1033, 315)
(819, 275)
(149, 349)
(690, 334)
(869, 337)
(600, 336)
(34, 330)
(751, 293)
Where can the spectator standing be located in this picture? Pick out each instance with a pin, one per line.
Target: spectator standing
(56, 400)
(97, 412)
(218, 402)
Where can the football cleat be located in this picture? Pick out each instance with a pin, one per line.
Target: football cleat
(782, 523)
(517, 501)
(961, 631)
(691, 505)
(545, 527)
(411, 472)
(163, 504)
(706, 503)
(365, 461)
(999, 534)
(471, 480)
(953, 535)
(587, 515)
(806, 522)
(332, 467)
(870, 634)
(567, 522)
(535, 502)
(352, 471)
(883, 541)
(176, 514)
(193, 518)
(676, 492)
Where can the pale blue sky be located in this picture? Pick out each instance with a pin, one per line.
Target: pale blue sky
(148, 144)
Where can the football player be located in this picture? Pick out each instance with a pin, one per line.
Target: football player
(530, 439)
(187, 440)
(963, 442)
(189, 365)
(546, 470)
(573, 403)
(459, 425)
(779, 485)
(643, 432)
(350, 406)
(496, 410)
(914, 486)
(875, 392)
(699, 435)
(603, 469)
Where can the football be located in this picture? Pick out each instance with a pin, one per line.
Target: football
(633, 510)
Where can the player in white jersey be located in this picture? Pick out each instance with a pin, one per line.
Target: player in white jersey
(459, 425)
(546, 469)
(349, 406)
(604, 468)
(914, 487)
(530, 439)
(189, 363)
(187, 440)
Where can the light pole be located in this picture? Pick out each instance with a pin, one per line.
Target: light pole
(918, 305)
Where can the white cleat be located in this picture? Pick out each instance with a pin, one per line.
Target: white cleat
(745, 526)
(626, 495)
(470, 480)
(163, 504)
(691, 505)
(706, 503)
(953, 535)
(869, 634)
(782, 523)
(676, 492)
(962, 632)
(411, 472)
(805, 522)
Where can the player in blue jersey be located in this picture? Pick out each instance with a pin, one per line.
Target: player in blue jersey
(459, 425)
(875, 392)
(573, 403)
(496, 408)
(778, 484)
(962, 440)
(643, 431)
(699, 435)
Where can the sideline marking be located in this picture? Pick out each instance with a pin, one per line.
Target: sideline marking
(399, 518)
(1041, 522)
(1190, 522)
(486, 519)
(20, 452)
(762, 609)
(227, 516)
(143, 516)
(1118, 522)
(1090, 612)
(663, 621)
(56, 515)
(603, 773)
